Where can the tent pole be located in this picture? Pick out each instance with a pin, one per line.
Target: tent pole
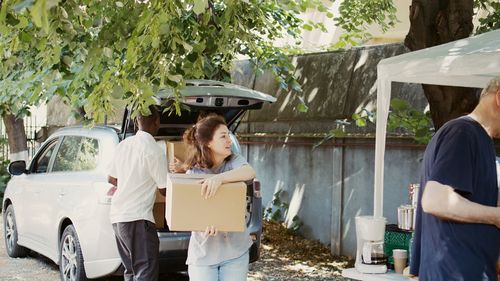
(383, 102)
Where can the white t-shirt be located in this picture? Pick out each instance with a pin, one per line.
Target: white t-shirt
(140, 166)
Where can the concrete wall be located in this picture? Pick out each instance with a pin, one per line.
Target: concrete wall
(327, 187)
(330, 185)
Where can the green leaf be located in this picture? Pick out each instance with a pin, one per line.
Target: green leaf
(25, 37)
(39, 14)
(164, 29)
(187, 47)
(302, 107)
(200, 6)
(107, 52)
(360, 122)
(117, 92)
(67, 60)
(175, 78)
(155, 43)
(307, 27)
(399, 104)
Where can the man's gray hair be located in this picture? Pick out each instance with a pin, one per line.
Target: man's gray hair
(492, 87)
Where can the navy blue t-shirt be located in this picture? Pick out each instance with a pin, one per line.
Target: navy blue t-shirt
(460, 155)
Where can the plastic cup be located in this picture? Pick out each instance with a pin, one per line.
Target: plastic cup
(400, 257)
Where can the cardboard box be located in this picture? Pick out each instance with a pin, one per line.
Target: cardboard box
(187, 210)
(177, 149)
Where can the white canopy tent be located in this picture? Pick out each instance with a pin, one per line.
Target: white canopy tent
(469, 62)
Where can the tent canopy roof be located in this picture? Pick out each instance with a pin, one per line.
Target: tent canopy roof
(469, 62)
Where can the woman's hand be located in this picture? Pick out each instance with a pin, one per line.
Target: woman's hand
(211, 231)
(177, 166)
(210, 186)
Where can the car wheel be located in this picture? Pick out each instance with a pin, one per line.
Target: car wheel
(70, 256)
(10, 235)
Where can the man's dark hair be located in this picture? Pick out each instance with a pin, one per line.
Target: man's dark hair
(146, 120)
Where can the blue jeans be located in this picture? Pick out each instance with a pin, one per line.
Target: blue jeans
(231, 270)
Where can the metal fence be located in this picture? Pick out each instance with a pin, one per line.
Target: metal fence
(31, 127)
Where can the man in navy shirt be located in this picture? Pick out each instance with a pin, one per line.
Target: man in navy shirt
(457, 235)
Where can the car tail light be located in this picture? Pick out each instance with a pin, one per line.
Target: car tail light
(256, 189)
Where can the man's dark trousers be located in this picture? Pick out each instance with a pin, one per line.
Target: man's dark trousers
(138, 244)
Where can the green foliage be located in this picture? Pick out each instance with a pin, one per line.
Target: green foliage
(4, 177)
(492, 20)
(403, 119)
(417, 123)
(278, 210)
(99, 51)
(296, 225)
(338, 132)
(356, 15)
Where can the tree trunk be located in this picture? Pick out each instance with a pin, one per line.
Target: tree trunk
(434, 22)
(16, 135)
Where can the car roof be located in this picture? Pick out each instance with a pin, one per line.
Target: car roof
(80, 130)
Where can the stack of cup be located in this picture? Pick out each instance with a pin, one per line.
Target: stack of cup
(400, 257)
(405, 217)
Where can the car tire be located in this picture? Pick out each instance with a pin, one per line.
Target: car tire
(14, 250)
(70, 256)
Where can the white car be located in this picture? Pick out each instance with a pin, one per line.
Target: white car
(58, 205)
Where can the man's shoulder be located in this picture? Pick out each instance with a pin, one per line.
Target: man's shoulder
(126, 143)
(463, 127)
(460, 122)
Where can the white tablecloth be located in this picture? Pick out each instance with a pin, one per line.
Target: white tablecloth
(389, 276)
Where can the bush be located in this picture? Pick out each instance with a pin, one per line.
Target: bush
(277, 212)
(4, 177)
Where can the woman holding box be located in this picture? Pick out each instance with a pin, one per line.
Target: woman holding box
(213, 255)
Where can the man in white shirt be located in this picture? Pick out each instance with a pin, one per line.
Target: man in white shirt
(138, 168)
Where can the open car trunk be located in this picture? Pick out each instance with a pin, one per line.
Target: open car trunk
(199, 98)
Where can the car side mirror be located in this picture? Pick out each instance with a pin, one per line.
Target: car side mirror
(17, 168)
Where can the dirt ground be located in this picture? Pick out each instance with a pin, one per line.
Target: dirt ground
(283, 257)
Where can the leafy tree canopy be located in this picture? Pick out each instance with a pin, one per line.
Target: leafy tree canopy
(93, 52)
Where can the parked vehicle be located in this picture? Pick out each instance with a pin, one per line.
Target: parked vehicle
(58, 204)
